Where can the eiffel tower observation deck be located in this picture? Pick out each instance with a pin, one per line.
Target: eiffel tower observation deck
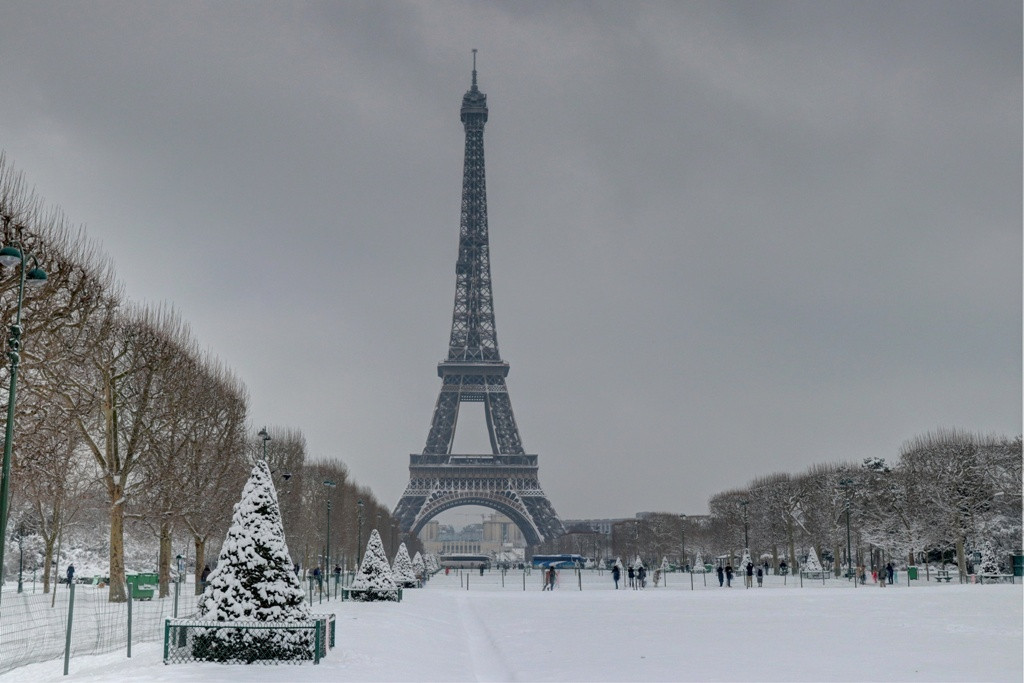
(505, 479)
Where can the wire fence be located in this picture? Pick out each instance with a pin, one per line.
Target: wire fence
(34, 627)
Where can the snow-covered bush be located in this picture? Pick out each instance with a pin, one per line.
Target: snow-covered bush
(402, 568)
(253, 581)
(374, 580)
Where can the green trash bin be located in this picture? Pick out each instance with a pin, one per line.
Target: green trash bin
(1018, 565)
(143, 585)
(912, 573)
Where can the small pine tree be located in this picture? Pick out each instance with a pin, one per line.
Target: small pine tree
(402, 568)
(374, 580)
(698, 564)
(432, 565)
(812, 564)
(989, 564)
(419, 566)
(253, 581)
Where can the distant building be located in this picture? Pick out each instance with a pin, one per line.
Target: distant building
(497, 536)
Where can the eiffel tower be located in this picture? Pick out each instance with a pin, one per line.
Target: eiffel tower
(505, 479)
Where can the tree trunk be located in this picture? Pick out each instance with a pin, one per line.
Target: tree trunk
(837, 564)
(200, 544)
(117, 587)
(165, 558)
(48, 543)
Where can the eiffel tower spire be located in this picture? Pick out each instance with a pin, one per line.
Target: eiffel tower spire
(473, 371)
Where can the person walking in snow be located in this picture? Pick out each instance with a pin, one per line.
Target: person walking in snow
(616, 573)
(550, 576)
(632, 577)
(721, 576)
(318, 577)
(728, 576)
(889, 571)
(783, 567)
(641, 577)
(760, 577)
(750, 575)
(204, 576)
(71, 575)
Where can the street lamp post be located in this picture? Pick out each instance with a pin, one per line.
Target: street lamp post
(266, 437)
(746, 535)
(21, 553)
(34, 277)
(682, 541)
(359, 541)
(327, 565)
(846, 484)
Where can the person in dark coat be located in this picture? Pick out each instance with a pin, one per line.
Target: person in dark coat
(71, 574)
(728, 576)
(889, 571)
(750, 574)
(760, 577)
(204, 576)
(641, 577)
(721, 576)
(616, 574)
(632, 577)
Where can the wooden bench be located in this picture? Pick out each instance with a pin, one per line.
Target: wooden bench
(943, 575)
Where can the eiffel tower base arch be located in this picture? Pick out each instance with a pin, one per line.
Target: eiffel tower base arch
(485, 480)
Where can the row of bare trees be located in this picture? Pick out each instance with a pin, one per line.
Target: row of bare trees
(950, 492)
(118, 408)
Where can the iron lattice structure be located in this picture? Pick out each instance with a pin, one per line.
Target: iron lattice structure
(505, 479)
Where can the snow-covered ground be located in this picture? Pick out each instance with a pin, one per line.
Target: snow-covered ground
(445, 632)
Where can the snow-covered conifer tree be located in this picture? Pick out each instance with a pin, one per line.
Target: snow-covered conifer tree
(812, 564)
(402, 568)
(374, 580)
(989, 564)
(419, 566)
(432, 565)
(745, 560)
(698, 564)
(253, 581)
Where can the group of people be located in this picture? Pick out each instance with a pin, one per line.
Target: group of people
(637, 576)
(725, 575)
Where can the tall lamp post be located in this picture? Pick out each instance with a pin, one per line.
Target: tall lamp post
(846, 485)
(34, 277)
(359, 541)
(746, 535)
(327, 565)
(21, 553)
(266, 437)
(682, 541)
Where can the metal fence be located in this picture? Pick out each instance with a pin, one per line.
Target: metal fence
(247, 642)
(34, 626)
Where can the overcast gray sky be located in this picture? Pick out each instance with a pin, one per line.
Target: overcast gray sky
(727, 239)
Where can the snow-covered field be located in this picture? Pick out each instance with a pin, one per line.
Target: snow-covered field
(445, 632)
